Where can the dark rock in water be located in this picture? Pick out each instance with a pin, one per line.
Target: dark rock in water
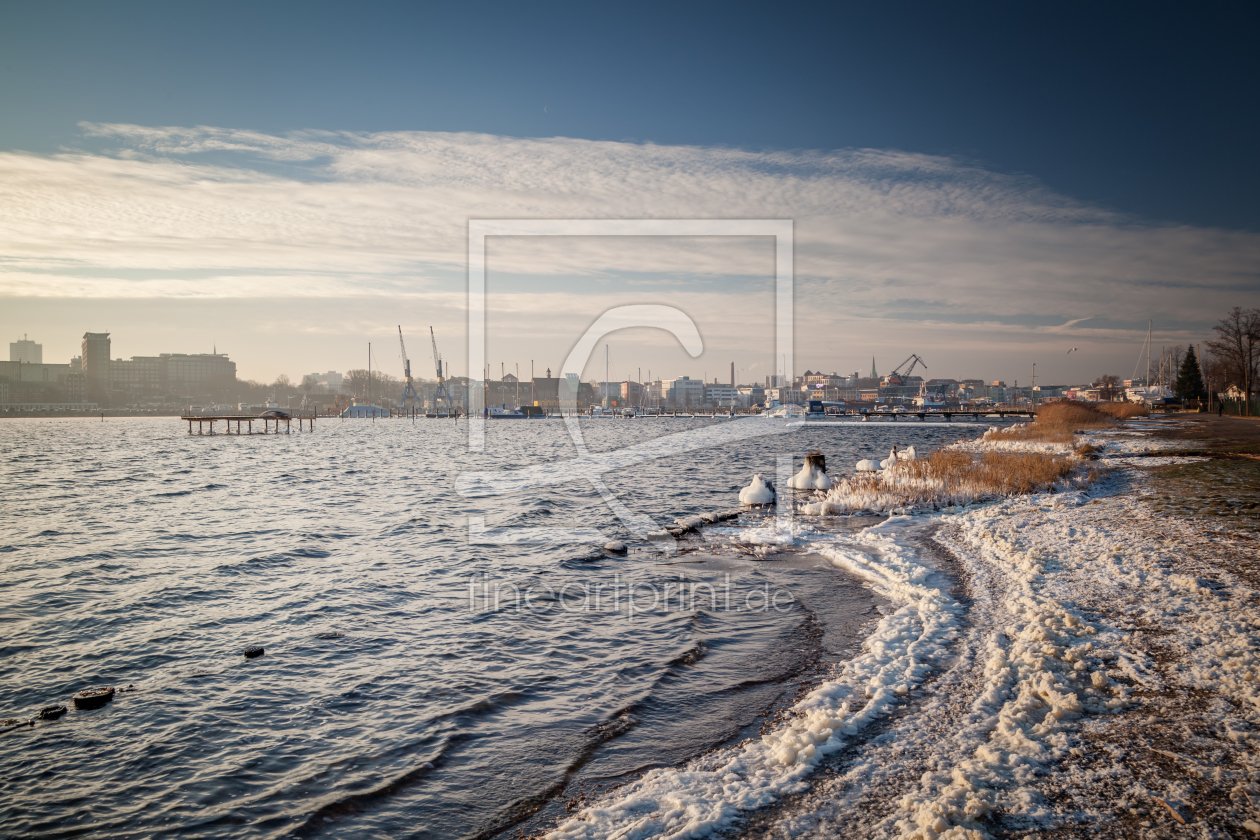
(93, 698)
(51, 712)
(14, 723)
(816, 460)
(254, 652)
(616, 547)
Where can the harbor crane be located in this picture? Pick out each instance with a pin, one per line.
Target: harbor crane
(440, 393)
(410, 399)
(899, 378)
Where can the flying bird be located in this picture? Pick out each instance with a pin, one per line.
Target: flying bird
(1070, 351)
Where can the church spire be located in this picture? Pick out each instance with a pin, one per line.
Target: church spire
(874, 375)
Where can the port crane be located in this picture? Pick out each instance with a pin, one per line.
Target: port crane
(899, 378)
(440, 393)
(410, 399)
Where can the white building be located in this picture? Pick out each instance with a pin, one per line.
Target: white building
(330, 381)
(26, 351)
(683, 392)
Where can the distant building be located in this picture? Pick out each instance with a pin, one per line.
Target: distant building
(609, 393)
(721, 395)
(752, 395)
(546, 390)
(33, 385)
(631, 393)
(683, 392)
(175, 374)
(26, 351)
(96, 365)
(200, 373)
(329, 381)
(141, 376)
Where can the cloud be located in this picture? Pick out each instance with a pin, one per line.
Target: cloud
(884, 239)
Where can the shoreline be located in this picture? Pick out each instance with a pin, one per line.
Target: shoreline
(1051, 675)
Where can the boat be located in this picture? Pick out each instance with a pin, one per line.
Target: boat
(788, 411)
(502, 412)
(358, 409)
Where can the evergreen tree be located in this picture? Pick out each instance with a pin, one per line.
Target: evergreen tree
(1189, 379)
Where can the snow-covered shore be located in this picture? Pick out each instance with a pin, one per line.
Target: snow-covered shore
(1029, 681)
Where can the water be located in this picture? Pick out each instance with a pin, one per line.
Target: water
(135, 555)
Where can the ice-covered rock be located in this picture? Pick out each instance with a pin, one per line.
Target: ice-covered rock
(906, 454)
(759, 492)
(867, 466)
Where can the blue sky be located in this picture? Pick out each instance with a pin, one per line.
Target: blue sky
(990, 177)
(1143, 108)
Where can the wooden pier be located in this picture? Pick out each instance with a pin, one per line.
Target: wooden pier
(270, 425)
(948, 414)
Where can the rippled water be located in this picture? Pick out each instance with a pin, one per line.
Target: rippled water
(135, 555)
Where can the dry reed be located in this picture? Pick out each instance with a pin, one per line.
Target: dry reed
(947, 477)
(1124, 410)
(1059, 422)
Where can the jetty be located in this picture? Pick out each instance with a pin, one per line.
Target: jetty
(948, 414)
(245, 423)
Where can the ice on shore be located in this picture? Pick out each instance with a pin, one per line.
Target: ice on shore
(710, 793)
(1000, 697)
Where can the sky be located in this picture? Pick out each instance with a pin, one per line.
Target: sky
(985, 185)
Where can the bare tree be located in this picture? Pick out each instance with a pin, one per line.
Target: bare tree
(1237, 347)
(308, 383)
(1108, 386)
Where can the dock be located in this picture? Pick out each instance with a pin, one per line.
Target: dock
(245, 423)
(948, 414)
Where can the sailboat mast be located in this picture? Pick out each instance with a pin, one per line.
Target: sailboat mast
(1148, 357)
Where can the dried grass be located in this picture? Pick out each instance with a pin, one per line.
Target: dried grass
(1125, 410)
(1059, 422)
(947, 477)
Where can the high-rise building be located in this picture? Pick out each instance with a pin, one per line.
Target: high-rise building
(200, 373)
(26, 351)
(96, 365)
(138, 376)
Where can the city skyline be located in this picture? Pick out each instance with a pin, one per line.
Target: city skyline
(983, 220)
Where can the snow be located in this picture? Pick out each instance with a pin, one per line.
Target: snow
(759, 492)
(810, 478)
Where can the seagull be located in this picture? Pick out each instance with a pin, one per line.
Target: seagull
(1070, 351)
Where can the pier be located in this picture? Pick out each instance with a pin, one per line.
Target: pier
(270, 425)
(948, 414)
